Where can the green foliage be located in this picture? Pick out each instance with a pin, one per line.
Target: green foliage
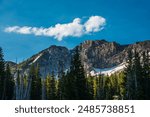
(36, 88)
(9, 84)
(2, 73)
(6, 80)
(132, 83)
(146, 75)
(137, 76)
(50, 87)
(77, 78)
(47, 84)
(91, 87)
(61, 89)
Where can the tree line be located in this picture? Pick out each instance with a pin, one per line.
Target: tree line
(74, 84)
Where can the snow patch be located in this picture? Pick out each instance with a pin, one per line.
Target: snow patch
(36, 58)
(107, 71)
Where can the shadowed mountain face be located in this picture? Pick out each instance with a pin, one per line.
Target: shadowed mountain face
(52, 59)
(103, 54)
(94, 54)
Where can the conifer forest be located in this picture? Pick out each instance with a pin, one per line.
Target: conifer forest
(133, 83)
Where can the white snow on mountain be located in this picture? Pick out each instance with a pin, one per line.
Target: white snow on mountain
(36, 58)
(108, 71)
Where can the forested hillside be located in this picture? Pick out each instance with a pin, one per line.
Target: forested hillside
(74, 84)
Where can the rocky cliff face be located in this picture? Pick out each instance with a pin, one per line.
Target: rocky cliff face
(52, 59)
(102, 54)
(99, 54)
(94, 54)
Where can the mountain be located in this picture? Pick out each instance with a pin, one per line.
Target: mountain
(52, 59)
(99, 56)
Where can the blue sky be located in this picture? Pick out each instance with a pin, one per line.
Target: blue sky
(127, 21)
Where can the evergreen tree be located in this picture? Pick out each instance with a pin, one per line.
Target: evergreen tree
(129, 79)
(47, 85)
(122, 88)
(61, 91)
(137, 75)
(77, 78)
(91, 87)
(9, 91)
(52, 87)
(70, 86)
(115, 85)
(146, 75)
(100, 83)
(2, 73)
(108, 89)
(36, 88)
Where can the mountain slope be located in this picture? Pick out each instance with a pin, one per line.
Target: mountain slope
(97, 56)
(52, 59)
(101, 54)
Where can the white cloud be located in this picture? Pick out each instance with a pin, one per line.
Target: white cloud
(59, 31)
(94, 24)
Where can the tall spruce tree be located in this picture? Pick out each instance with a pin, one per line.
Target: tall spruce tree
(9, 90)
(77, 78)
(146, 75)
(129, 79)
(52, 87)
(70, 86)
(47, 85)
(2, 73)
(100, 83)
(122, 88)
(137, 75)
(108, 88)
(36, 88)
(91, 87)
(61, 90)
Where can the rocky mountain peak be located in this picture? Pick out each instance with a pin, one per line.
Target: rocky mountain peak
(89, 43)
(98, 54)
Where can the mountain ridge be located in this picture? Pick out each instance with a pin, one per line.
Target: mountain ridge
(95, 54)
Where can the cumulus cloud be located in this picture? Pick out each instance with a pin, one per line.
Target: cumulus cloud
(75, 29)
(94, 24)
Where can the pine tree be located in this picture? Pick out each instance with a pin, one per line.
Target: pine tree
(52, 87)
(122, 88)
(134, 77)
(61, 91)
(70, 86)
(47, 85)
(137, 75)
(129, 79)
(91, 87)
(60, 82)
(2, 73)
(114, 84)
(36, 88)
(108, 88)
(78, 79)
(39, 82)
(146, 75)
(100, 83)
(9, 92)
